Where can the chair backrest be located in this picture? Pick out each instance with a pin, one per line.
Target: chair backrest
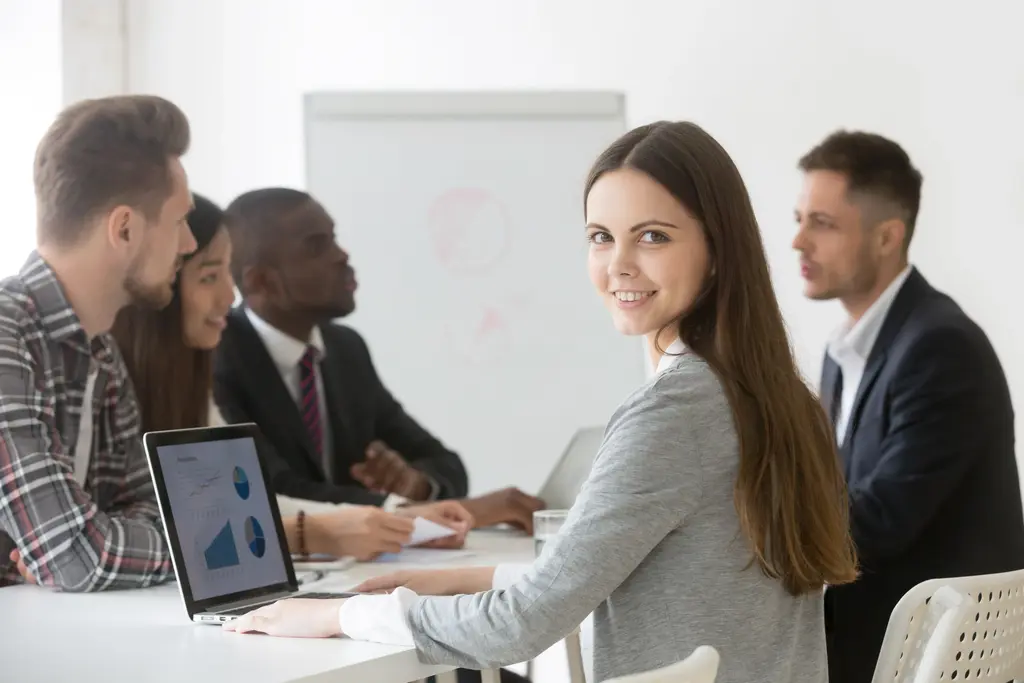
(700, 667)
(968, 628)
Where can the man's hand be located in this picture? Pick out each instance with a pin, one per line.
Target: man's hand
(510, 506)
(447, 513)
(385, 471)
(15, 557)
(433, 581)
(362, 531)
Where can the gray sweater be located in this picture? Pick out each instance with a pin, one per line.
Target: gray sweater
(653, 547)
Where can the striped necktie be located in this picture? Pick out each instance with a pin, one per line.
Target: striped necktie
(309, 399)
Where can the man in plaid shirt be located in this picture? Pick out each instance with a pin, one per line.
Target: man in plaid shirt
(77, 507)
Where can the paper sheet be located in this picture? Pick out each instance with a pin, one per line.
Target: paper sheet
(323, 563)
(425, 530)
(424, 556)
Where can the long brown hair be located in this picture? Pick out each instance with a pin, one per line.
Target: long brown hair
(173, 381)
(790, 494)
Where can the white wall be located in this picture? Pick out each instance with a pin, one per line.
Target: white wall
(52, 53)
(768, 79)
(30, 78)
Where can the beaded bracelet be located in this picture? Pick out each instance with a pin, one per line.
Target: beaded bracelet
(300, 526)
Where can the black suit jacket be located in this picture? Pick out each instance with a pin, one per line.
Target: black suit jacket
(930, 467)
(249, 388)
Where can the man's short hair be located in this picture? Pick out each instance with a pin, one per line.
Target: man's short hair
(102, 153)
(253, 219)
(874, 166)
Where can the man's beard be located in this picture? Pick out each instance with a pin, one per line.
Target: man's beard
(153, 297)
(867, 273)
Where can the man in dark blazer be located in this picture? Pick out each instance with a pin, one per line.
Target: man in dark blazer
(918, 397)
(310, 385)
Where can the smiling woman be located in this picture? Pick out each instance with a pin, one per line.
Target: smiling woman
(715, 511)
(647, 271)
(161, 347)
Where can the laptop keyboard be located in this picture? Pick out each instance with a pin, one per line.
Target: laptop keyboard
(319, 596)
(236, 612)
(305, 596)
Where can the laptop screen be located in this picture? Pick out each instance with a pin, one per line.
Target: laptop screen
(222, 516)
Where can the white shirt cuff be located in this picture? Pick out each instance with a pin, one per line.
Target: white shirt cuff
(378, 618)
(393, 502)
(507, 574)
(290, 506)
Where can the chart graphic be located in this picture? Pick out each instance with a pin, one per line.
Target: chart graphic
(241, 483)
(201, 480)
(254, 537)
(221, 552)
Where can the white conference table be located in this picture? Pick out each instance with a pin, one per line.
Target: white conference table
(145, 635)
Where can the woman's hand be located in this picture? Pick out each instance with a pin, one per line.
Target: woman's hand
(296, 618)
(433, 581)
(362, 531)
(446, 513)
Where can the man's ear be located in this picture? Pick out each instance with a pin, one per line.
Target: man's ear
(892, 235)
(119, 227)
(260, 281)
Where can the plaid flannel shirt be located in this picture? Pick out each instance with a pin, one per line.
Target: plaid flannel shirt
(106, 534)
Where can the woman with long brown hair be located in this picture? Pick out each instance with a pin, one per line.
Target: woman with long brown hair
(168, 353)
(715, 512)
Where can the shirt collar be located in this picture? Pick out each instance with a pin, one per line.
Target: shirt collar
(860, 337)
(674, 350)
(56, 316)
(58, 319)
(286, 351)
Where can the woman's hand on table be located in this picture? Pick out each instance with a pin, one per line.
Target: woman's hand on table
(303, 618)
(432, 581)
(295, 618)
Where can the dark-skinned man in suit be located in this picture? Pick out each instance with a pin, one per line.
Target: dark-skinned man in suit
(337, 433)
(295, 280)
(917, 396)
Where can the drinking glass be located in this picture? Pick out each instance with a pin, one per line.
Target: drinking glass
(546, 524)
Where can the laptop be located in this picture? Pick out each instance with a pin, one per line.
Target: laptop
(222, 523)
(565, 481)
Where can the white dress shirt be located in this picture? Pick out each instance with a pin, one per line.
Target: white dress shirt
(851, 344)
(287, 353)
(382, 618)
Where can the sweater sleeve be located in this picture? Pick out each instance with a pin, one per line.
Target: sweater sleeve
(645, 481)
(383, 618)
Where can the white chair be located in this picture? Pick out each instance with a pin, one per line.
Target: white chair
(574, 653)
(968, 629)
(572, 650)
(700, 667)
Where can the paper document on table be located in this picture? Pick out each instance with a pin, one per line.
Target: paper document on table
(424, 556)
(425, 531)
(322, 563)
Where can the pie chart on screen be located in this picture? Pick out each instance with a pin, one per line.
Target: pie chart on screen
(254, 537)
(241, 483)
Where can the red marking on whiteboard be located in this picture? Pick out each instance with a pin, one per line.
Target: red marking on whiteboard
(490, 324)
(469, 230)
